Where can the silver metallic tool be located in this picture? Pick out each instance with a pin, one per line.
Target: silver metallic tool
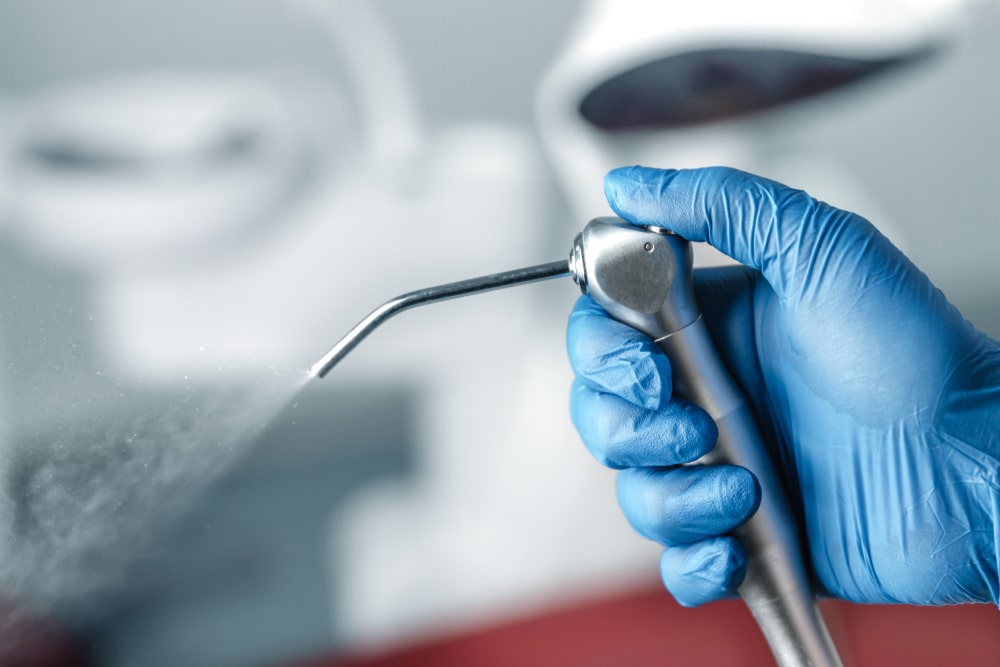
(430, 295)
(644, 278)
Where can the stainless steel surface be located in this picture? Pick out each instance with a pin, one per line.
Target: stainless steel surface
(640, 277)
(430, 295)
(645, 280)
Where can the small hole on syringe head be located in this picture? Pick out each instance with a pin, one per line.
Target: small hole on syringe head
(647, 246)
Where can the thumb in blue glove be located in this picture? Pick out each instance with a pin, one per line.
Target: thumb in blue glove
(882, 402)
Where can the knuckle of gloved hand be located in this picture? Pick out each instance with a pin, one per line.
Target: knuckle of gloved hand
(704, 572)
(629, 366)
(639, 373)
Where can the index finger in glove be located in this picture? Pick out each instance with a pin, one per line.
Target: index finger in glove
(793, 239)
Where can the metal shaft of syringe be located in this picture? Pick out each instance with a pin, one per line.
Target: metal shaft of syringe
(431, 294)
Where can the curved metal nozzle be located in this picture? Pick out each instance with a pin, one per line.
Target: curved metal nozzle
(430, 295)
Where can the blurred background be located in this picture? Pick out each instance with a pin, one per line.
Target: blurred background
(198, 198)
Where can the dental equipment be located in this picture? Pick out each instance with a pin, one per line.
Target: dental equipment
(644, 278)
(430, 295)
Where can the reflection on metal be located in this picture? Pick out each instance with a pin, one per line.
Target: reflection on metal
(430, 295)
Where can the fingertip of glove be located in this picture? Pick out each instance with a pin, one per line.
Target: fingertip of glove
(696, 428)
(705, 572)
(744, 493)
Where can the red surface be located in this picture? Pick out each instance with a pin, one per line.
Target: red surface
(645, 627)
(27, 641)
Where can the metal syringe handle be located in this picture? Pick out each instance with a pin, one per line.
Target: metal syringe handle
(644, 278)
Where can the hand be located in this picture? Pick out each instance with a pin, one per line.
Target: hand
(881, 401)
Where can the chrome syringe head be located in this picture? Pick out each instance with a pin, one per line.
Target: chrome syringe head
(431, 295)
(642, 276)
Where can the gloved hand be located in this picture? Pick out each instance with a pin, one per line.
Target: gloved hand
(882, 402)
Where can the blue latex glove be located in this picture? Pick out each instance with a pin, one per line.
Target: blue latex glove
(882, 402)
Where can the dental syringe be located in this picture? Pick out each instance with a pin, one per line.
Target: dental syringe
(644, 278)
